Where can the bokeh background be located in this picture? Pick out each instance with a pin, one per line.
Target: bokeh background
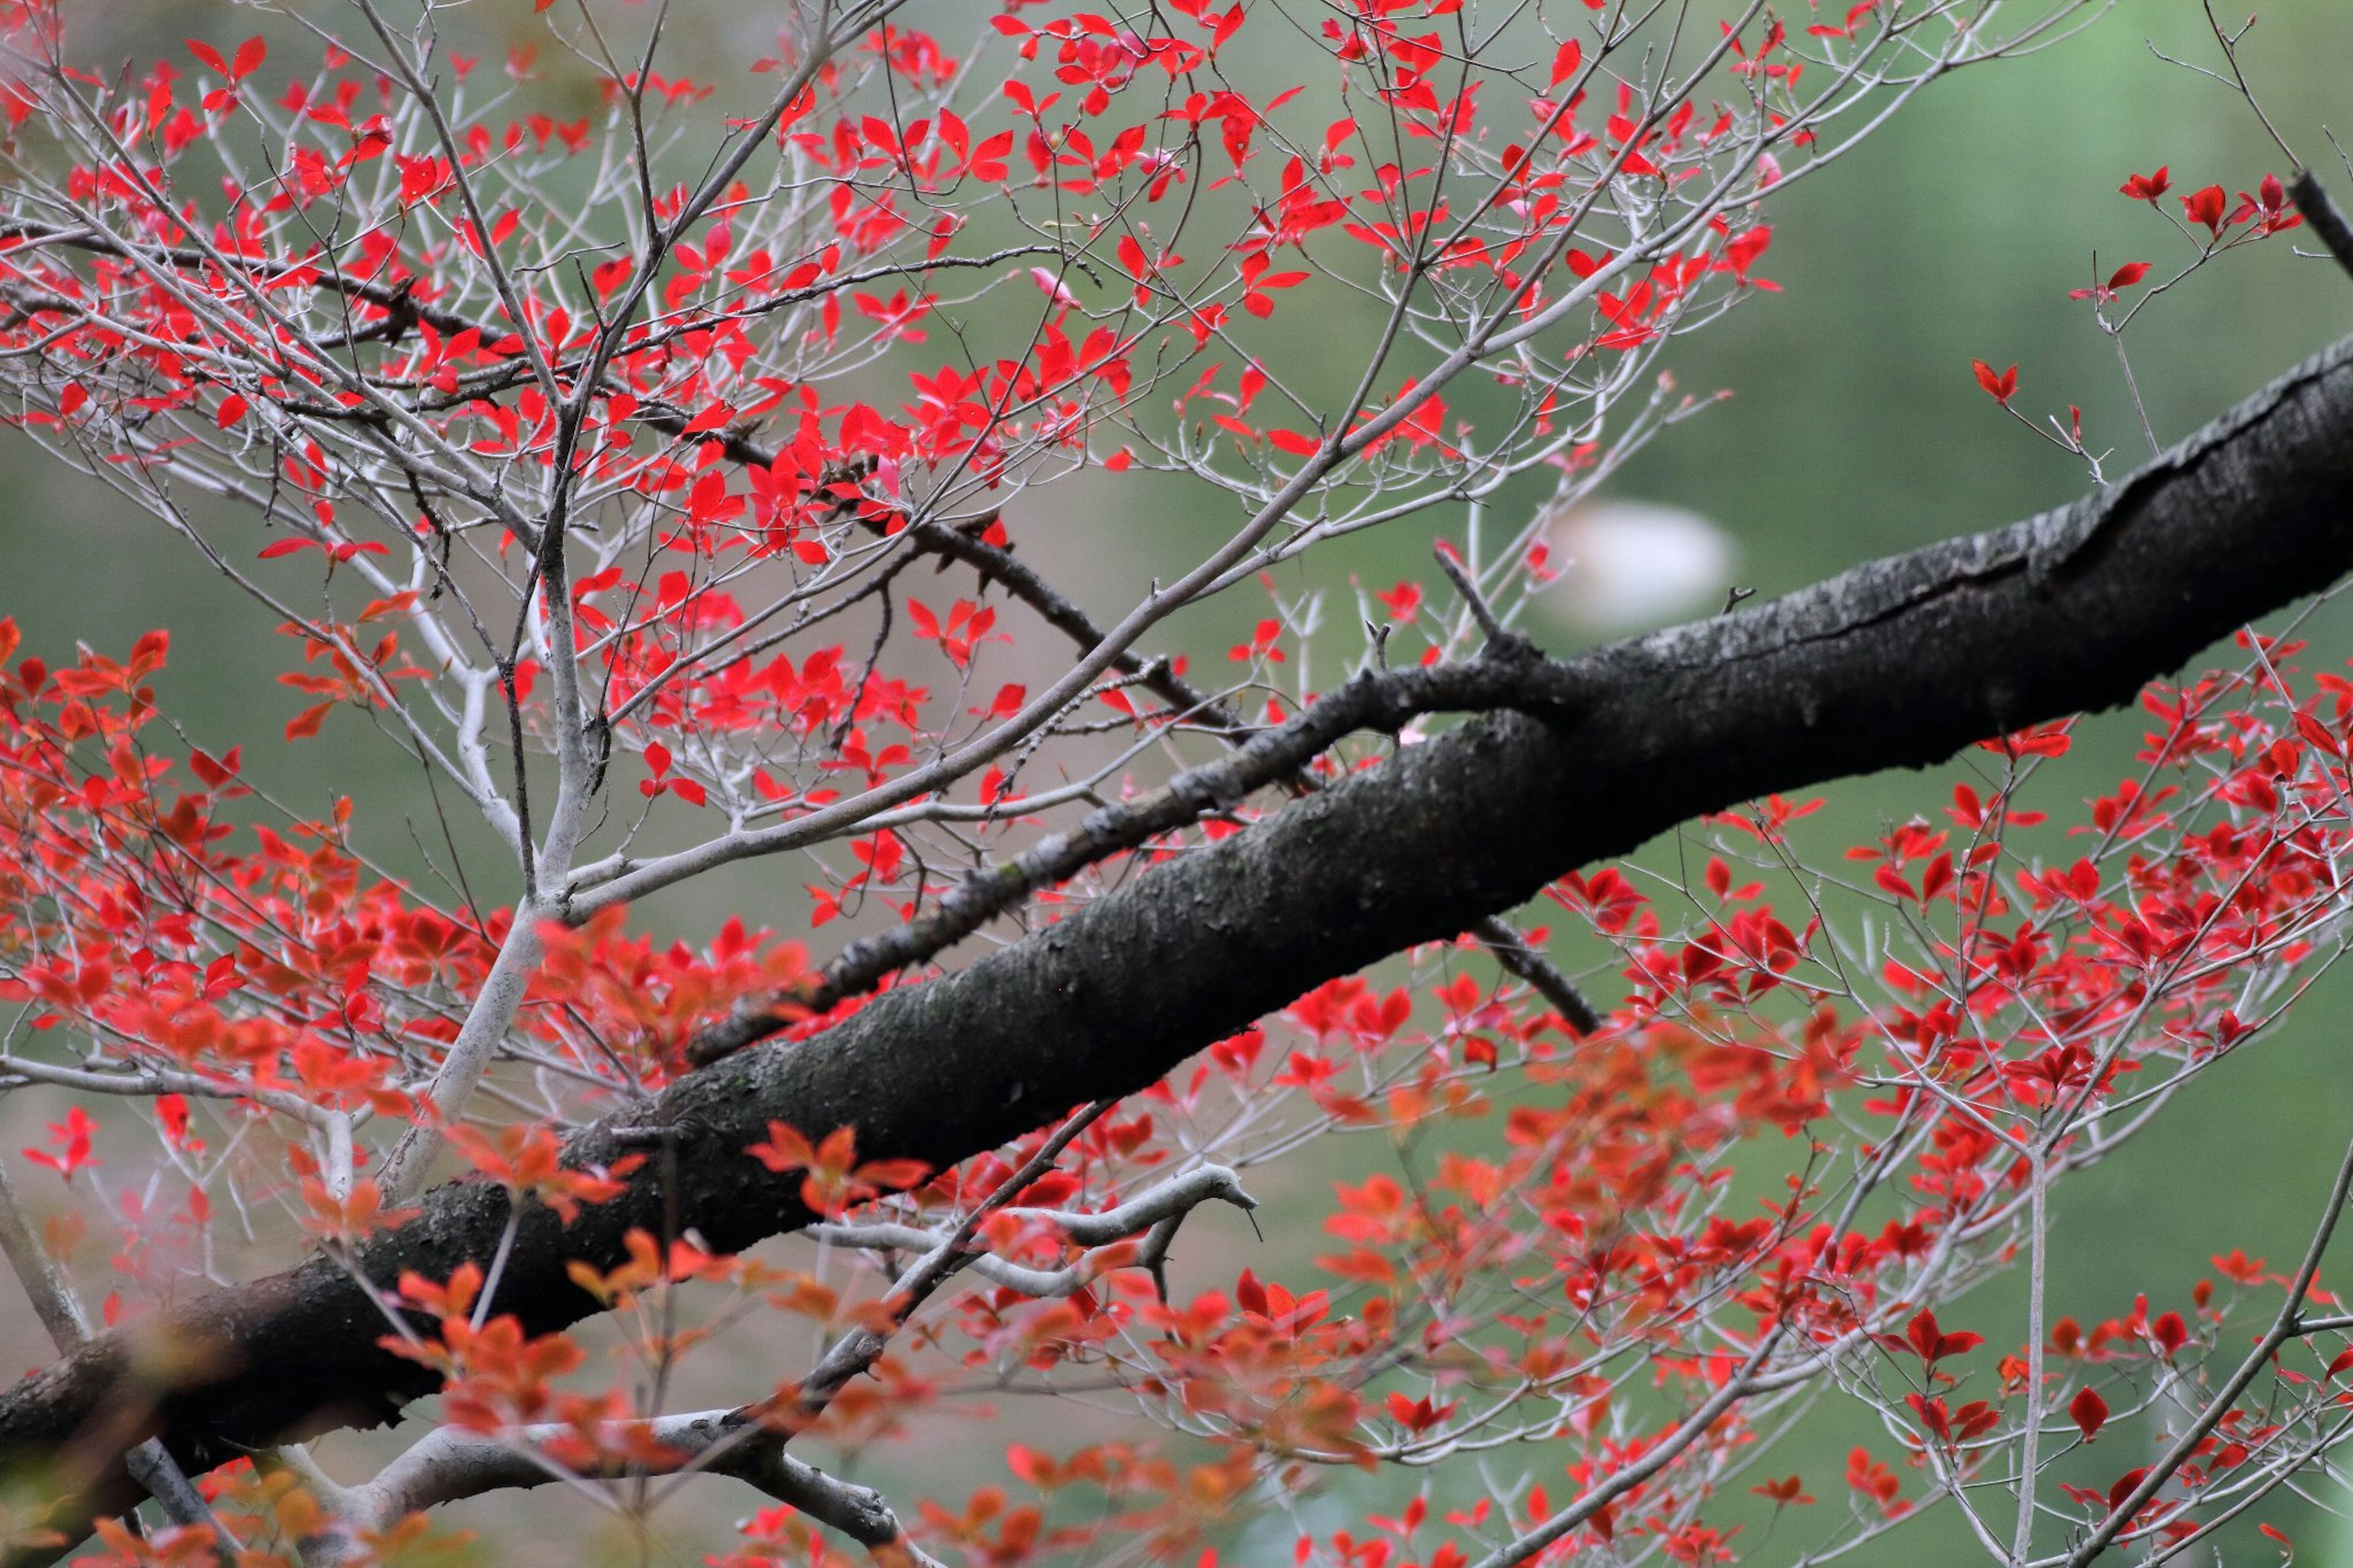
(1854, 428)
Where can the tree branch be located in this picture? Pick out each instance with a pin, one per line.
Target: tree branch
(1897, 663)
(449, 1465)
(1375, 700)
(1159, 1210)
(2313, 200)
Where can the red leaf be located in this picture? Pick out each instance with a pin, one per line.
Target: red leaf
(1931, 1344)
(305, 724)
(147, 654)
(893, 1175)
(215, 774)
(2206, 207)
(1998, 387)
(2089, 1412)
(232, 409)
(2130, 273)
(249, 56)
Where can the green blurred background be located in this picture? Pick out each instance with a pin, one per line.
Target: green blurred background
(1855, 430)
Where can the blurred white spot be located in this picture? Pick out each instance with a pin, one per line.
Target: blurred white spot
(1629, 565)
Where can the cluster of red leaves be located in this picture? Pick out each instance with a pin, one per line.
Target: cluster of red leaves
(174, 951)
(711, 422)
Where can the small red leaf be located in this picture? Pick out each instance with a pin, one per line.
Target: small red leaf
(1998, 387)
(214, 772)
(305, 724)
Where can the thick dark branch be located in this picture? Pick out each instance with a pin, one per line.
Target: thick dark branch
(2312, 199)
(1375, 700)
(1898, 663)
(1511, 674)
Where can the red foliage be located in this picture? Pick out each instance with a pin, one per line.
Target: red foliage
(597, 481)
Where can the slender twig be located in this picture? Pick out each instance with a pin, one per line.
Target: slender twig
(1512, 951)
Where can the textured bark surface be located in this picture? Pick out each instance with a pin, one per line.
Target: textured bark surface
(1897, 663)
